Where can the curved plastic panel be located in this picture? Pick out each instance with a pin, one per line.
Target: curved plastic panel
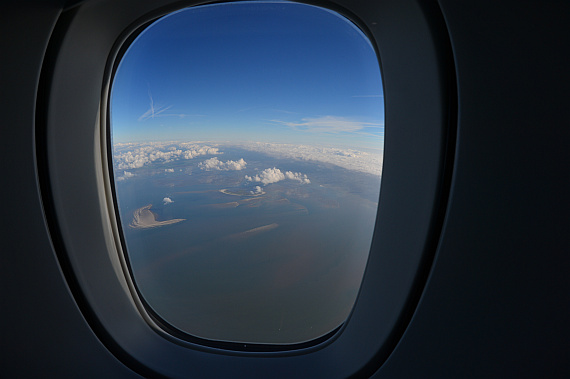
(81, 212)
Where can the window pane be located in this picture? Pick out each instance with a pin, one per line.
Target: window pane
(247, 152)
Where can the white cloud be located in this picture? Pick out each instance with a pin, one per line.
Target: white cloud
(267, 176)
(297, 176)
(329, 124)
(137, 155)
(126, 175)
(128, 156)
(195, 151)
(257, 190)
(364, 161)
(167, 200)
(168, 170)
(274, 175)
(216, 164)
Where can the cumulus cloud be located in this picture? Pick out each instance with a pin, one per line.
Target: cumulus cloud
(167, 200)
(168, 170)
(137, 155)
(191, 153)
(216, 164)
(126, 175)
(298, 177)
(257, 191)
(267, 176)
(274, 175)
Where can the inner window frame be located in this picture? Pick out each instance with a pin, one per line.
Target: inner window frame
(161, 325)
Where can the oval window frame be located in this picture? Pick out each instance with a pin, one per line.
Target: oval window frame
(418, 154)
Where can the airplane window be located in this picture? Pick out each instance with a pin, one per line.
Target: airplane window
(247, 143)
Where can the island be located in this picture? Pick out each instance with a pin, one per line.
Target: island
(144, 218)
(242, 192)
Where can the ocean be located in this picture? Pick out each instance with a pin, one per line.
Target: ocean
(277, 268)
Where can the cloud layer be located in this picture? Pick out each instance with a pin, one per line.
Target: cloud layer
(364, 161)
(137, 155)
(128, 156)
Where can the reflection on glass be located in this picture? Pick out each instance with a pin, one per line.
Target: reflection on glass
(247, 153)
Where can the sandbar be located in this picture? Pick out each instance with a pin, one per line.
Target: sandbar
(254, 231)
(144, 218)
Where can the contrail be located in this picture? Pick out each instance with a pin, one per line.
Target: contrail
(151, 103)
(153, 112)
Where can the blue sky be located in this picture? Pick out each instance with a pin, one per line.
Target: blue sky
(272, 72)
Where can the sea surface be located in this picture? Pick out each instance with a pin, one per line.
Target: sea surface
(278, 264)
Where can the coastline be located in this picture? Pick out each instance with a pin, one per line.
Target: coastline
(228, 192)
